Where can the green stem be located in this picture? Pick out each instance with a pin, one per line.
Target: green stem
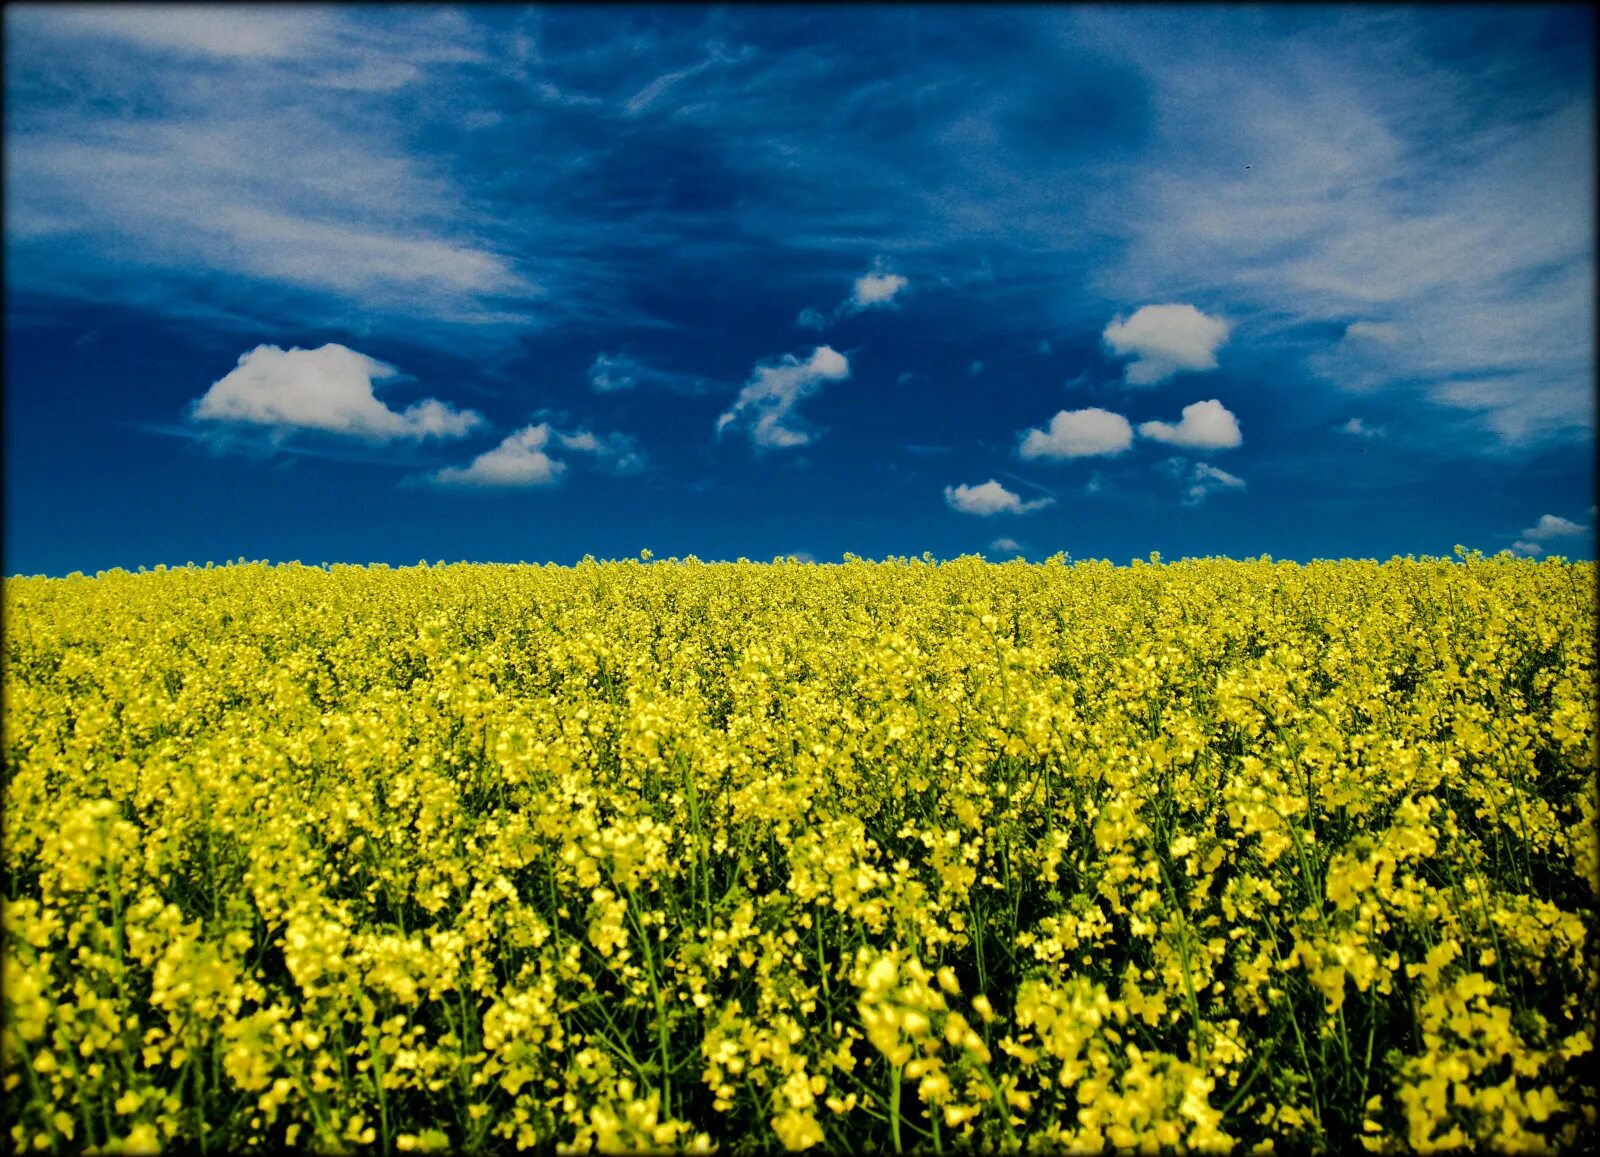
(375, 1051)
(661, 1010)
(894, 1107)
(1183, 956)
(1305, 1058)
(1000, 1103)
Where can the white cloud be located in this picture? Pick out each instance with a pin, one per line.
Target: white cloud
(1005, 545)
(1078, 434)
(1205, 426)
(182, 186)
(329, 390)
(614, 452)
(1423, 190)
(1205, 479)
(766, 404)
(1533, 539)
(652, 92)
(523, 459)
(1553, 526)
(989, 498)
(876, 289)
(553, 94)
(1165, 339)
(221, 30)
(611, 372)
(353, 260)
(1028, 483)
(519, 461)
(870, 291)
(351, 222)
(1359, 429)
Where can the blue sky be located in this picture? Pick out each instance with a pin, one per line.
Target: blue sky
(359, 284)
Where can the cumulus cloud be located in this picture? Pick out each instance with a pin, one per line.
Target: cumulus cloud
(1164, 340)
(767, 403)
(1004, 545)
(876, 289)
(870, 291)
(1553, 526)
(1205, 426)
(330, 390)
(1359, 429)
(524, 460)
(519, 461)
(1532, 541)
(990, 498)
(1078, 434)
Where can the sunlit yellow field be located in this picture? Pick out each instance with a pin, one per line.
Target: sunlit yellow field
(891, 857)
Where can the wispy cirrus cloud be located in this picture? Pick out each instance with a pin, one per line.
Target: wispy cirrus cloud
(378, 159)
(652, 93)
(609, 373)
(213, 30)
(228, 173)
(1428, 197)
(1198, 480)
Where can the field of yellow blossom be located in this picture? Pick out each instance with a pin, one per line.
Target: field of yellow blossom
(901, 856)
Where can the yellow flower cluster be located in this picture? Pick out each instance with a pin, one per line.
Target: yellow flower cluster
(668, 856)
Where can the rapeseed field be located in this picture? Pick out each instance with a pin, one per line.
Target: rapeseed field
(887, 857)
